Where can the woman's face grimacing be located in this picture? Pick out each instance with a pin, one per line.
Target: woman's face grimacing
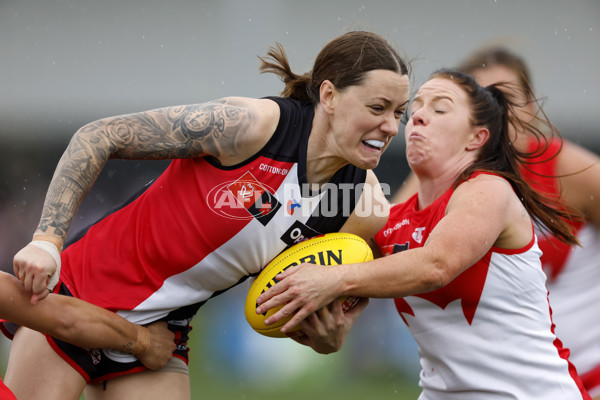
(439, 134)
(367, 117)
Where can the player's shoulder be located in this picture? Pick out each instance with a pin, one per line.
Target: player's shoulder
(264, 107)
(486, 179)
(248, 123)
(483, 187)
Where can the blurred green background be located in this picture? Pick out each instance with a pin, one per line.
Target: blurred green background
(229, 361)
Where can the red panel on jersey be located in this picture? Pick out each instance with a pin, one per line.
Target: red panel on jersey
(163, 232)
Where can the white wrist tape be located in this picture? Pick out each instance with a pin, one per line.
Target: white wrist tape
(51, 249)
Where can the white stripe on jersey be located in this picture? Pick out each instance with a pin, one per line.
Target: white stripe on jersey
(225, 266)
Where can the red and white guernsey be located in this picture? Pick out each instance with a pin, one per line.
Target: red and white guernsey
(488, 333)
(573, 277)
(201, 228)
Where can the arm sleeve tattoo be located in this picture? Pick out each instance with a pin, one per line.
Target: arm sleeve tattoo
(215, 128)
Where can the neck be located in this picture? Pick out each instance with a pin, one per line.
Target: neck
(431, 189)
(321, 165)
(321, 162)
(432, 186)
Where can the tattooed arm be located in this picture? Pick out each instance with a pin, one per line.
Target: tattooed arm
(230, 129)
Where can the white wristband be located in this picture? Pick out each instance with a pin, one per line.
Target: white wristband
(51, 249)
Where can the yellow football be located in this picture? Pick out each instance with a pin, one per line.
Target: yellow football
(329, 249)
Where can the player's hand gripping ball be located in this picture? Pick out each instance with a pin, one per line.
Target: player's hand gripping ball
(330, 249)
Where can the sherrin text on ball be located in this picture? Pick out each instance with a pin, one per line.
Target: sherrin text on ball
(328, 250)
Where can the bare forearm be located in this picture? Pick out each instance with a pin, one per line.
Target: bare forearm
(68, 319)
(89, 326)
(392, 277)
(75, 173)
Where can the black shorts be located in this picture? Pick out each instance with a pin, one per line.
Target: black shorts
(97, 365)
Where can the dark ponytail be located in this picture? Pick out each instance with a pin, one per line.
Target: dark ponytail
(296, 86)
(344, 61)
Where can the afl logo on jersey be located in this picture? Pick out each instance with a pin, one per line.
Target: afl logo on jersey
(244, 199)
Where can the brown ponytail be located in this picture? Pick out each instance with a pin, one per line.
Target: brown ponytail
(344, 61)
(296, 86)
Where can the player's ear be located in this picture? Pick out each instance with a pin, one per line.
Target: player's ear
(327, 95)
(478, 138)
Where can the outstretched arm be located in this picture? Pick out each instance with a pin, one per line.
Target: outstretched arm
(456, 243)
(230, 130)
(85, 325)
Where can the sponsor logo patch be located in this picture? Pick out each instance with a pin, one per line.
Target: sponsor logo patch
(417, 235)
(297, 233)
(243, 199)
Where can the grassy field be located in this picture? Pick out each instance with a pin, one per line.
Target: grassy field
(326, 380)
(218, 371)
(384, 387)
(320, 384)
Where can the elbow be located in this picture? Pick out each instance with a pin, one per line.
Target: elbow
(438, 275)
(66, 326)
(96, 134)
(89, 130)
